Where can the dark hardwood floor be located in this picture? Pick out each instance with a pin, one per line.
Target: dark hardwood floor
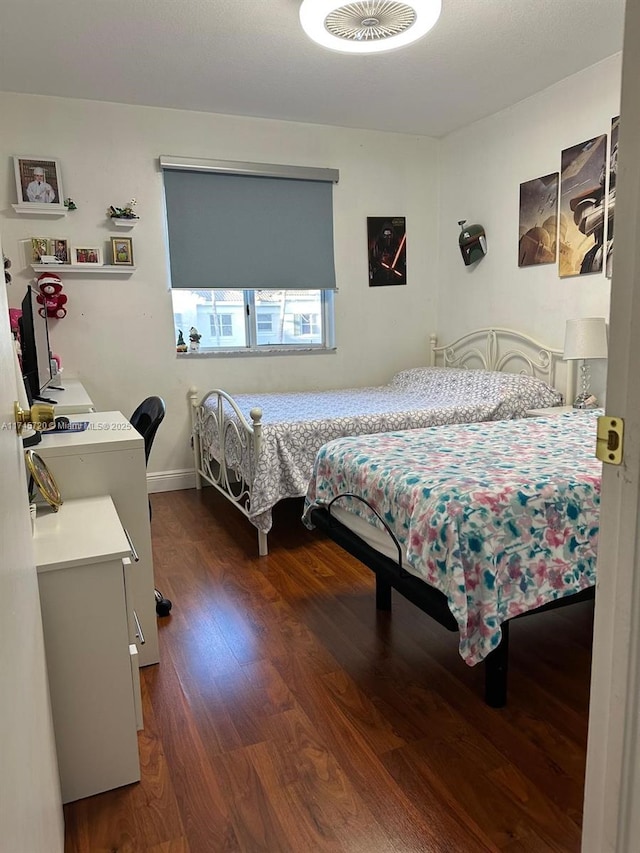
(287, 715)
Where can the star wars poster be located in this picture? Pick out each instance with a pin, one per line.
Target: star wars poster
(611, 202)
(538, 221)
(582, 207)
(387, 242)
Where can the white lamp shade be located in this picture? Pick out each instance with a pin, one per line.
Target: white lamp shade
(585, 338)
(369, 26)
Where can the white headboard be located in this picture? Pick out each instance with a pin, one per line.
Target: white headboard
(507, 351)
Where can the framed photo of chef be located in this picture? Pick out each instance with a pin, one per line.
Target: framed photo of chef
(39, 182)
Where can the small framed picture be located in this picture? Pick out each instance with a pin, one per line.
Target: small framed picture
(38, 181)
(39, 247)
(86, 256)
(122, 250)
(60, 250)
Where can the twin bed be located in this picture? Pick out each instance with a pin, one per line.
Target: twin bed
(438, 482)
(477, 524)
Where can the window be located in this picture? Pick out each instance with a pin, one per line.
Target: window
(255, 320)
(265, 321)
(221, 325)
(251, 254)
(306, 324)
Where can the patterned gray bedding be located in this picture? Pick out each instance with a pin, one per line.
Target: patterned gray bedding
(296, 425)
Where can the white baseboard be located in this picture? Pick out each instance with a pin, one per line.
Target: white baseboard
(171, 481)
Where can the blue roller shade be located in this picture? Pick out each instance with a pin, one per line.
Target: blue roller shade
(249, 231)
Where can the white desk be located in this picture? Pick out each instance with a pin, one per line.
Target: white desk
(108, 459)
(73, 400)
(83, 572)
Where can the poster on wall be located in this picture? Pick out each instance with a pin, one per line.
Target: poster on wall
(582, 207)
(538, 221)
(387, 247)
(611, 201)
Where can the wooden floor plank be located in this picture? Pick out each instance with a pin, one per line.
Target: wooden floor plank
(288, 715)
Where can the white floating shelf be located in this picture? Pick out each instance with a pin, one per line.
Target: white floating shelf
(123, 223)
(41, 209)
(85, 269)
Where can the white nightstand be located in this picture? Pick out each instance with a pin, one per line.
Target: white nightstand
(552, 410)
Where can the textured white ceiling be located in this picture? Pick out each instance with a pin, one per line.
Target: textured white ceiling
(250, 57)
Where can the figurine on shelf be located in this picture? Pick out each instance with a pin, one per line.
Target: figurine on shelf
(180, 344)
(70, 204)
(194, 339)
(125, 212)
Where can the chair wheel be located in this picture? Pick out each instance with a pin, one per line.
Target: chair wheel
(163, 605)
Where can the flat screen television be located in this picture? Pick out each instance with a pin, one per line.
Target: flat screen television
(34, 345)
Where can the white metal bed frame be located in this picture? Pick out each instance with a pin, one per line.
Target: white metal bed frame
(494, 348)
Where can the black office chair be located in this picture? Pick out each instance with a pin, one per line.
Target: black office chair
(146, 419)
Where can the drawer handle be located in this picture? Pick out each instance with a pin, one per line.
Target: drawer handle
(139, 633)
(132, 547)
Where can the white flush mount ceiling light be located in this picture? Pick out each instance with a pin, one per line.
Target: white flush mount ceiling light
(368, 26)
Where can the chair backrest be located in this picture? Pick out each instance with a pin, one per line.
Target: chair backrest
(146, 419)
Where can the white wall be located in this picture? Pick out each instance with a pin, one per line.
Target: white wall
(482, 167)
(119, 335)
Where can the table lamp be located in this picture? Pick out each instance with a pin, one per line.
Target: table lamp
(585, 338)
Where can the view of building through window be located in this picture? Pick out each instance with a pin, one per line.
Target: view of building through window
(231, 319)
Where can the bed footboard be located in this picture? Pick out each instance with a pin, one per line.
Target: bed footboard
(225, 449)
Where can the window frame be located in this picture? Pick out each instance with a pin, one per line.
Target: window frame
(326, 315)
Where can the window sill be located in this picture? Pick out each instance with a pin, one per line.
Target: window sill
(263, 351)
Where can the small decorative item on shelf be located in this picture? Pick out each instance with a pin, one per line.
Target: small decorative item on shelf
(39, 249)
(59, 249)
(7, 267)
(123, 216)
(86, 256)
(38, 181)
(122, 251)
(194, 339)
(180, 344)
(70, 204)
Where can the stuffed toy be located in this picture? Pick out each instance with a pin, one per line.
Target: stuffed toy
(51, 297)
(14, 320)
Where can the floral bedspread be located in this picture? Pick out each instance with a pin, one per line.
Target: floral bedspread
(500, 517)
(296, 425)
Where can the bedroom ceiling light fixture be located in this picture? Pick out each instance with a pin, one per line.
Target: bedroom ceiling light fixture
(585, 338)
(368, 26)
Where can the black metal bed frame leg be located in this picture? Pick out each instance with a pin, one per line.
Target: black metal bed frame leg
(495, 673)
(383, 593)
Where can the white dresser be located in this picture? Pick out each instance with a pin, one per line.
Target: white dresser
(108, 459)
(82, 560)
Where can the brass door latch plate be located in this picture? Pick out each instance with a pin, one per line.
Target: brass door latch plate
(609, 440)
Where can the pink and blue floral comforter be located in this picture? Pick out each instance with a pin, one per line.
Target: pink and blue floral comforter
(501, 517)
